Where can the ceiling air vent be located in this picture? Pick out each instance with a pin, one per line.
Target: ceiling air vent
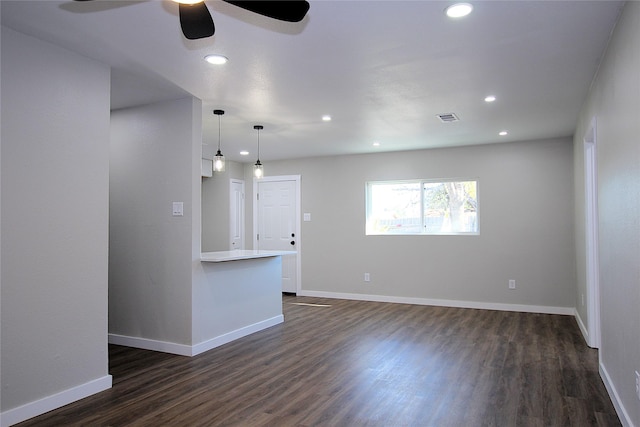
(448, 118)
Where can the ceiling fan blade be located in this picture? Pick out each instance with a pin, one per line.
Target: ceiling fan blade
(196, 21)
(284, 10)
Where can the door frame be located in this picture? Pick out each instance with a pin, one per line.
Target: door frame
(591, 235)
(296, 179)
(233, 181)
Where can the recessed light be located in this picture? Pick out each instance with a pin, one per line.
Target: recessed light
(458, 10)
(503, 133)
(244, 153)
(490, 98)
(376, 144)
(216, 59)
(326, 118)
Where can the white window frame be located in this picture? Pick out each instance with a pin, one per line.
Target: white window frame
(368, 207)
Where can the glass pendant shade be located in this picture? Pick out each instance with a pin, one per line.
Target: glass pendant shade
(218, 159)
(258, 169)
(218, 162)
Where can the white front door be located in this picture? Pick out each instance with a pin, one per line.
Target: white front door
(236, 214)
(277, 223)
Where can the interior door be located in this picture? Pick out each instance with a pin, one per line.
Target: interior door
(236, 214)
(277, 225)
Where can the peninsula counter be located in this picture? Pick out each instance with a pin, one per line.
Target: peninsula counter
(240, 293)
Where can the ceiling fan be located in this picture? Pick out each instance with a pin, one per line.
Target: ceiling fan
(196, 21)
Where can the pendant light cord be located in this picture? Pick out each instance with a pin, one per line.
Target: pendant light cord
(218, 132)
(219, 113)
(258, 128)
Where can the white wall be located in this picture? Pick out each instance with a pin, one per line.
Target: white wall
(55, 177)
(615, 102)
(155, 161)
(526, 227)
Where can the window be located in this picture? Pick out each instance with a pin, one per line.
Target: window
(422, 207)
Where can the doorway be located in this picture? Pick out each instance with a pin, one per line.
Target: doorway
(276, 223)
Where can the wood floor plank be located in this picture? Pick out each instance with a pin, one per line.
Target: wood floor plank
(353, 363)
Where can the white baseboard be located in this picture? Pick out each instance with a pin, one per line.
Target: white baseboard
(55, 401)
(543, 309)
(192, 350)
(149, 344)
(234, 335)
(581, 325)
(625, 419)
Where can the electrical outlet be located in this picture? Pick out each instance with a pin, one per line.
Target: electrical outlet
(367, 277)
(512, 284)
(638, 384)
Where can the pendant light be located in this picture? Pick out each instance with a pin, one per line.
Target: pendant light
(258, 169)
(218, 159)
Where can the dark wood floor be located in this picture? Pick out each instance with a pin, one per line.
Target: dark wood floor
(353, 363)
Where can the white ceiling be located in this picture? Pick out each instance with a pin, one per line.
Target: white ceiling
(382, 69)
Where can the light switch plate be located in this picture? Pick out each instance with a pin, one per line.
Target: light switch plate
(307, 216)
(178, 208)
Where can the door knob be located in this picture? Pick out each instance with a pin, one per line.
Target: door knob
(293, 242)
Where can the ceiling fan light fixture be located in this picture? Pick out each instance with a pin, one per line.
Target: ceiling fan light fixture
(218, 159)
(459, 10)
(196, 21)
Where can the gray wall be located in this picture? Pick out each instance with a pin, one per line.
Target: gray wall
(55, 177)
(153, 164)
(526, 226)
(615, 102)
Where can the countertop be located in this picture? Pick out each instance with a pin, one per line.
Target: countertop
(240, 254)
